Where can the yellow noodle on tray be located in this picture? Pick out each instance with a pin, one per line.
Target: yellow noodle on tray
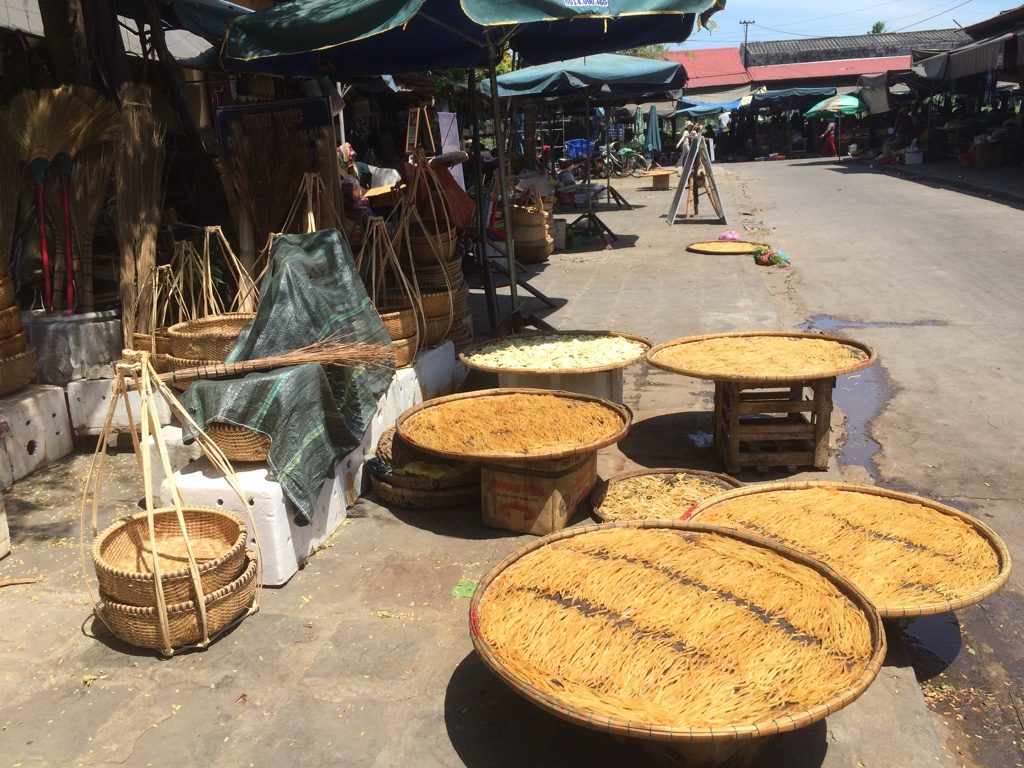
(557, 352)
(759, 357)
(659, 496)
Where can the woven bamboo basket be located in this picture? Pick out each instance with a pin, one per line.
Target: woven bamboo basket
(528, 232)
(721, 370)
(438, 276)
(13, 345)
(435, 329)
(911, 556)
(675, 632)
(467, 356)
(725, 247)
(399, 323)
(10, 321)
(143, 342)
(7, 291)
(535, 252)
(123, 558)
(617, 414)
(17, 371)
(606, 512)
(410, 498)
(428, 245)
(437, 303)
(140, 626)
(460, 299)
(410, 468)
(210, 338)
(405, 351)
(239, 443)
(462, 335)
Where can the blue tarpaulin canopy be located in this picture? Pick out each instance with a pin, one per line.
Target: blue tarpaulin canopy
(692, 108)
(392, 36)
(205, 18)
(602, 76)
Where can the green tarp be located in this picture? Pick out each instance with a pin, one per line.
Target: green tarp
(313, 415)
(601, 75)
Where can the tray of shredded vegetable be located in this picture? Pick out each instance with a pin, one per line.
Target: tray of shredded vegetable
(561, 352)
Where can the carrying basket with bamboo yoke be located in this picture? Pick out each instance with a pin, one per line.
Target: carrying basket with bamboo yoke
(175, 576)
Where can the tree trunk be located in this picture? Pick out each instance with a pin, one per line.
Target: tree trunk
(64, 27)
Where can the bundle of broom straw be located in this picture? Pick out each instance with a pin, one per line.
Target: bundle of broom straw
(138, 181)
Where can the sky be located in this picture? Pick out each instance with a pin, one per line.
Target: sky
(793, 19)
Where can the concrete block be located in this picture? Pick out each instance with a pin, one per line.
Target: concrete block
(179, 454)
(5, 533)
(35, 431)
(283, 544)
(89, 399)
(70, 347)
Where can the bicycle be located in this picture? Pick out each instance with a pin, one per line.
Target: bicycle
(622, 162)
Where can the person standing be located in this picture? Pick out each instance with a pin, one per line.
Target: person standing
(828, 141)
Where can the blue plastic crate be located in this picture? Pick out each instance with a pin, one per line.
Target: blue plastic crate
(578, 149)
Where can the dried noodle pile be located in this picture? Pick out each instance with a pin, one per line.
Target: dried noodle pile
(564, 352)
(760, 356)
(672, 628)
(900, 554)
(656, 496)
(514, 423)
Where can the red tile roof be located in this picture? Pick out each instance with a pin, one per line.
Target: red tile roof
(812, 70)
(708, 67)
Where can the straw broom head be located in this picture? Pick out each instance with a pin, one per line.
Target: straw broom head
(100, 121)
(42, 124)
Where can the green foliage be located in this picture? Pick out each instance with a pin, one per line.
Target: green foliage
(646, 51)
(877, 28)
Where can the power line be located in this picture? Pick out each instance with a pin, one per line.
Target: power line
(922, 21)
(844, 13)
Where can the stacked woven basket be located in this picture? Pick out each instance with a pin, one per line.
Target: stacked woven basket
(17, 359)
(444, 294)
(406, 477)
(124, 562)
(208, 341)
(531, 229)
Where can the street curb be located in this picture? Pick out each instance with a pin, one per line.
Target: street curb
(996, 195)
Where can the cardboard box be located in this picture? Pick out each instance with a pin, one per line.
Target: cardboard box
(537, 497)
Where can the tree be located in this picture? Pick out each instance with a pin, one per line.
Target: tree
(877, 28)
(646, 51)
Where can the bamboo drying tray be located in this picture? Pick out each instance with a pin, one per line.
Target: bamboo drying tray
(676, 632)
(664, 479)
(123, 558)
(910, 555)
(210, 338)
(467, 356)
(417, 498)
(725, 247)
(525, 407)
(721, 370)
(239, 443)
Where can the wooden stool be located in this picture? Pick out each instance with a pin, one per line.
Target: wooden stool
(762, 425)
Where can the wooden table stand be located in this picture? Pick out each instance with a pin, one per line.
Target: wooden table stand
(760, 425)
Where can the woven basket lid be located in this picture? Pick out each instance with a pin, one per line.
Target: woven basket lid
(534, 337)
(725, 247)
(911, 556)
(677, 632)
(762, 356)
(540, 420)
(677, 497)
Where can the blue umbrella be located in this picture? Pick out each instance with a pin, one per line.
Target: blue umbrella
(653, 141)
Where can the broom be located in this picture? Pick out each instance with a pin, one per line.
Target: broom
(93, 169)
(334, 350)
(11, 170)
(36, 122)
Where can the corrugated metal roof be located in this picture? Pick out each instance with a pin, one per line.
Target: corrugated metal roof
(852, 46)
(22, 15)
(813, 70)
(711, 67)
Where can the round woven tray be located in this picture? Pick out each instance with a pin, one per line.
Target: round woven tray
(144, 342)
(17, 371)
(210, 338)
(675, 632)
(564, 449)
(604, 514)
(123, 558)
(141, 626)
(410, 498)
(239, 443)
(400, 457)
(399, 323)
(438, 276)
(13, 345)
(725, 247)
(911, 556)
(724, 372)
(10, 321)
(405, 351)
(6, 291)
(466, 356)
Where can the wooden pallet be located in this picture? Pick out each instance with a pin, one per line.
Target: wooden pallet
(759, 426)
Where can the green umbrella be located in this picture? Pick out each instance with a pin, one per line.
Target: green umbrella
(653, 143)
(846, 104)
(638, 129)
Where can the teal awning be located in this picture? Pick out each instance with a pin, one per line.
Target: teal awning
(602, 76)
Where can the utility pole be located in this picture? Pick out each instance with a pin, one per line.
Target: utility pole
(746, 28)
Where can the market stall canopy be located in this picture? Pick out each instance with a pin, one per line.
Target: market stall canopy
(846, 104)
(981, 56)
(602, 75)
(392, 36)
(790, 97)
(205, 18)
(693, 108)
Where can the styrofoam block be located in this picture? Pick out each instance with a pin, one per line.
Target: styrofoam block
(283, 544)
(437, 372)
(5, 533)
(89, 399)
(179, 454)
(36, 431)
(70, 347)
